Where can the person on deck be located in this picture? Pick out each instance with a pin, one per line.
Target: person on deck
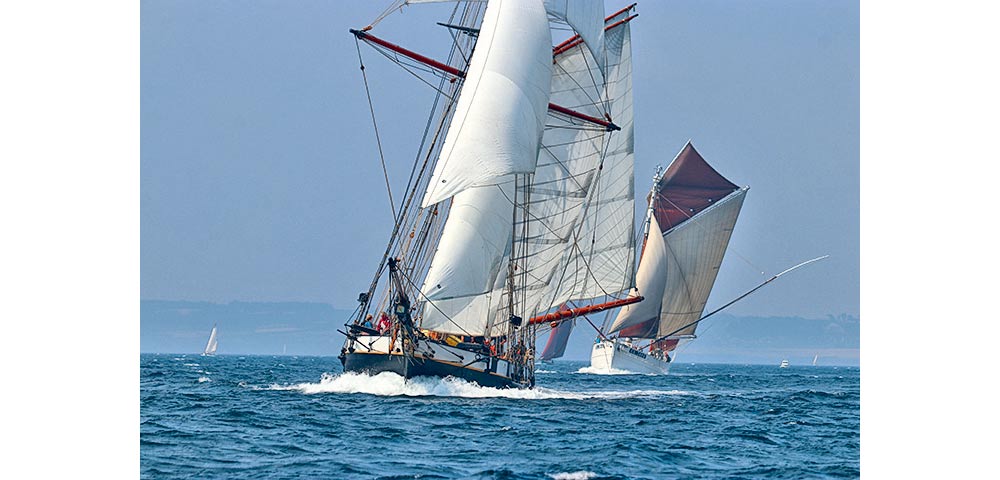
(383, 323)
(368, 321)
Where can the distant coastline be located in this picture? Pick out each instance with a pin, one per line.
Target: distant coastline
(310, 329)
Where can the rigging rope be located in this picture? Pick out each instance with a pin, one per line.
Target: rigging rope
(378, 140)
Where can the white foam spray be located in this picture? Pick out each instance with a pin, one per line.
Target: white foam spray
(391, 384)
(607, 371)
(580, 475)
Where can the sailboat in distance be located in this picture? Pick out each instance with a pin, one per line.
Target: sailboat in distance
(521, 197)
(213, 342)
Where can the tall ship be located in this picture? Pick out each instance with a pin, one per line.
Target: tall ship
(692, 210)
(518, 213)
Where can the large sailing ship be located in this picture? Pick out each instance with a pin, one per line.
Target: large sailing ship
(527, 203)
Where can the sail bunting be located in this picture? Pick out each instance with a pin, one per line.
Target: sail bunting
(503, 105)
(695, 210)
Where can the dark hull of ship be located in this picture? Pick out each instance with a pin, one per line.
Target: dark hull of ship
(373, 363)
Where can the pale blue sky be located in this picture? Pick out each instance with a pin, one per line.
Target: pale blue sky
(260, 179)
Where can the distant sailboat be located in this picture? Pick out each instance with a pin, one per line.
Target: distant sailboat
(815, 358)
(213, 342)
(784, 364)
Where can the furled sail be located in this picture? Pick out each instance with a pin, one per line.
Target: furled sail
(555, 347)
(503, 104)
(696, 209)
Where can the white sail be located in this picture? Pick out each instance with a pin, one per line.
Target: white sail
(213, 342)
(585, 16)
(695, 250)
(503, 104)
(469, 258)
(587, 19)
(651, 282)
(580, 240)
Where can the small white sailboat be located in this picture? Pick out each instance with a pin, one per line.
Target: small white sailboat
(784, 364)
(815, 358)
(213, 342)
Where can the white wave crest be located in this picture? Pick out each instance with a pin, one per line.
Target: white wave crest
(580, 475)
(606, 371)
(390, 384)
(204, 379)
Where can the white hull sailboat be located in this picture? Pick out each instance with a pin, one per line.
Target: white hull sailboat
(618, 356)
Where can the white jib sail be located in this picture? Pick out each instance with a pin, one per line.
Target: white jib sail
(469, 256)
(651, 282)
(504, 101)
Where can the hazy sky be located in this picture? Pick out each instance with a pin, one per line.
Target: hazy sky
(260, 179)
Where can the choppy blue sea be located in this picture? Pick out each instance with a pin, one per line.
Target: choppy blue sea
(275, 417)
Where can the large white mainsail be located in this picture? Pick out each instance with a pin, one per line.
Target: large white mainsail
(696, 209)
(213, 342)
(469, 257)
(495, 133)
(504, 101)
(578, 239)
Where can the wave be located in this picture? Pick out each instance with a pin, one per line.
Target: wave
(389, 384)
(580, 475)
(204, 379)
(607, 371)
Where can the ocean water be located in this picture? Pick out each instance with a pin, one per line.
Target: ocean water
(274, 417)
